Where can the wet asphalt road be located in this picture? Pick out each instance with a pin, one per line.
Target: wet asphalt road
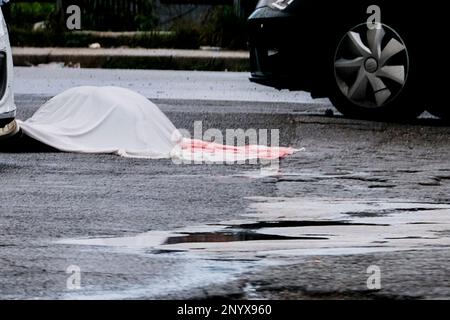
(48, 197)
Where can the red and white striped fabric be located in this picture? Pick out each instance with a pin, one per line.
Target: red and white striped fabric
(215, 152)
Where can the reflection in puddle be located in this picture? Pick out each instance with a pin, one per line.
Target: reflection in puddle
(242, 232)
(231, 236)
(291, 224)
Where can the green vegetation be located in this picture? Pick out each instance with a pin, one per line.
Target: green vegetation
(225, 29)
(221, 27)
(27, 14)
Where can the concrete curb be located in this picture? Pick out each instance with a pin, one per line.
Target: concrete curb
(121, 58)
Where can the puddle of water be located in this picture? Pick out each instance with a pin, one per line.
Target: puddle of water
(277, 230)
(379, 213)
(286, 224)
(230, 236)
(291, 224)
(193, 273)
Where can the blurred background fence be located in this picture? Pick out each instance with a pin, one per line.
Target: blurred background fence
(172, 23)
(100, 14)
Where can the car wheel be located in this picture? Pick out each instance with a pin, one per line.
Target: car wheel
(9, 130)
(372, 78)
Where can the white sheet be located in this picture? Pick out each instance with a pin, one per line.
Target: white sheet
(103, 120)
(119, 121)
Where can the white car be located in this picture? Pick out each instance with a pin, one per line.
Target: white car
(8, 125)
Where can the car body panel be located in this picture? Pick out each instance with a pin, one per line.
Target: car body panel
(7, 106)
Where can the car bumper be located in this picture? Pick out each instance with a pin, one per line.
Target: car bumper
(275, 60)
(266, 67)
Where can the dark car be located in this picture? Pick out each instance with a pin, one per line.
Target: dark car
(373, 59)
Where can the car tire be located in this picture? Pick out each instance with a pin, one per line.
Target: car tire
(372, 76)
(9, 130)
